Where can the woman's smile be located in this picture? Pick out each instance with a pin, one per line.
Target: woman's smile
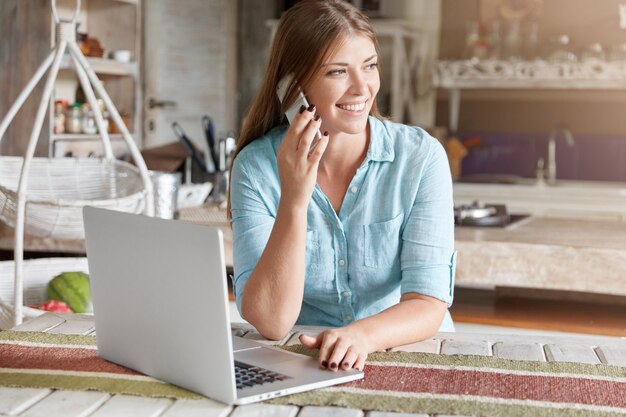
(353, 108)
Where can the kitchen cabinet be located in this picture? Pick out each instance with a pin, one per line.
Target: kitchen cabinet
(117, 26)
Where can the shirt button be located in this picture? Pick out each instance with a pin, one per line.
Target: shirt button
(345, 294)
(342, 262)
(348, 318)
(354, 189)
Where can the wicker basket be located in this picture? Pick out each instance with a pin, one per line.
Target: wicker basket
(37, 274)
(58, 188)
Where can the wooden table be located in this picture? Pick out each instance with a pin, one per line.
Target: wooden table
(45, 402)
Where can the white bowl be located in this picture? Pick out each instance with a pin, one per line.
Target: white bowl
(121, 55)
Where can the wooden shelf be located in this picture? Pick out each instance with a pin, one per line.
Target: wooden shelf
(104, 66)
(82, 136)
(539, 74)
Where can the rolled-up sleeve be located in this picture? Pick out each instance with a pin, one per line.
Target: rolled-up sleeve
(428, 258)
(252, 223)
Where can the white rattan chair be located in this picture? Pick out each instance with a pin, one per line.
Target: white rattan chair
(47, 196)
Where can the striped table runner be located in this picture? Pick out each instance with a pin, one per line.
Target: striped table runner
(394, 381)
(71, 362)
(476, 385)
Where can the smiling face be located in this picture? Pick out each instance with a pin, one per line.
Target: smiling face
(346, 88)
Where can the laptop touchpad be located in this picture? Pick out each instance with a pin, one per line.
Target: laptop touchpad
(264, 356)
(239, 343)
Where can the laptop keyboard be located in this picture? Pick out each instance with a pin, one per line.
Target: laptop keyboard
(249, 375)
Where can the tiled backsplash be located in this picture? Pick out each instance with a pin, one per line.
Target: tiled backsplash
(593, 157)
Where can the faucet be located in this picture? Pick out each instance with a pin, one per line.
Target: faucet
(551, 165)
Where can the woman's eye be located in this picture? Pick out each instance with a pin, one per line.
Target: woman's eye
(335, 72)
(372, 65)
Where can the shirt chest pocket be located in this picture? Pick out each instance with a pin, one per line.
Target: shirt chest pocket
(382, 243)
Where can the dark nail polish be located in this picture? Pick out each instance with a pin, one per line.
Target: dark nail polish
(324, 364)
(311, 108)
(302, 109)
(317, 117)
(333, 365)
(326, 133)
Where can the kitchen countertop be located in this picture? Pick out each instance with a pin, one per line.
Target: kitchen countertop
(547, 253)
(552, 231)
(207, 215)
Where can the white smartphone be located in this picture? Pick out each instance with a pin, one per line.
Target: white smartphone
(281, 91)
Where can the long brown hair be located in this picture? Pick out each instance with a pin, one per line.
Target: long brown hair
(307, 34)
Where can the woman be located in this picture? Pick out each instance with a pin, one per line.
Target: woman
(356, 234)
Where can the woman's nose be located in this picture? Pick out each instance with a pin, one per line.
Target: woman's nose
(358, 83)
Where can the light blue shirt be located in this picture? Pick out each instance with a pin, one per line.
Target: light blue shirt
(394, 233)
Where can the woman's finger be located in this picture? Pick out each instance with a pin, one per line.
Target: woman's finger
(320, 148)
(360, 361)
(308, 135)
(326, 347)
(312, 342)
(299, 124)
(349, 360)
(336, 357)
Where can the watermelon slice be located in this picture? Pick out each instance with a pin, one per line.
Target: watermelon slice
(54, 306)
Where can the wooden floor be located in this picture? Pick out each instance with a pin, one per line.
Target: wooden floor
(553, 311)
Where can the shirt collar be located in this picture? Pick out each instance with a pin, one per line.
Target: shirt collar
(381, 147)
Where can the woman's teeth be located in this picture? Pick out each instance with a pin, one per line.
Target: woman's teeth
(352, 107)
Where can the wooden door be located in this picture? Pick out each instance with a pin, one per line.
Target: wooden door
(189, 67)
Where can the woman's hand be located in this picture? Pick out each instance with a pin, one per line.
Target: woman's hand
(342, 348)
(296, 167)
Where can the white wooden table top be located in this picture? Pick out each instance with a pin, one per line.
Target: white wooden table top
(31, 402)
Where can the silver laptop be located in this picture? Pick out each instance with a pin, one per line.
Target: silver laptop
(161, 307)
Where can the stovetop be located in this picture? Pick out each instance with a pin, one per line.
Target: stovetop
(485, 215)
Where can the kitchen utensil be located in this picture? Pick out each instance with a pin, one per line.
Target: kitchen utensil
(184, 140)
(231, 146)
(209, 133)
(221, 154)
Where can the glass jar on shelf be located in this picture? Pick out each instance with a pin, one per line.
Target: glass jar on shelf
(593, 52)
(60, 108)
(74, 119)
(89, 121)
(494, 40)
(560, 50)
(105, 114)
(475, 45)
(531, 41)
(512, 45)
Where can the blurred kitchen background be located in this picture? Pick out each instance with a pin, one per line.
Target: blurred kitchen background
(527, 96)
